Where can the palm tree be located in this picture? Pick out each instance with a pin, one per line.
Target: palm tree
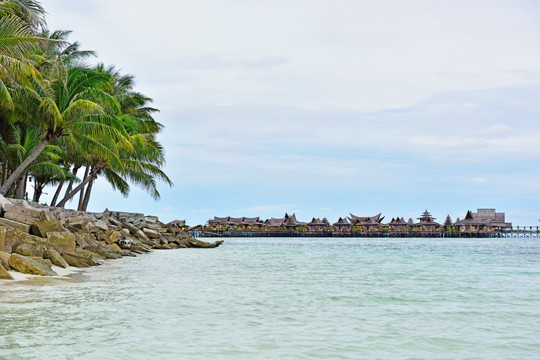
(29, 11)
(74, 106)
(19, 20)
(141, 163)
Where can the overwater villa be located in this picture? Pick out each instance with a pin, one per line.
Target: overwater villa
(484, 220)
(317, 224)
(398, 225)
(426, 223)
(342, 225)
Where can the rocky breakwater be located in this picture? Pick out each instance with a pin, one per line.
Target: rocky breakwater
(33, 238)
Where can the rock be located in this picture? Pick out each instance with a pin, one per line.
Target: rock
(23, 209)
(112, 236)
(78, 223)
(161, 246)
(45, 215)
(4, 274)
(4, 259)
(116, 248)
(115, 222)
(75, 260)
(103, 251)
(63, 242)
(152, 234)
(89, 257)
(27, 265)
(55, 257)
(163, 240)
(46, 262)
(203, 244)
(13, 239)
(142, 235)
(99, 225)
(151, 219)
(3, 232)
(30, 248)
(42, 228)
(140, 247)
(3, 203)
(80, 241)
(20, 217)
(132, 228)
(15, 225)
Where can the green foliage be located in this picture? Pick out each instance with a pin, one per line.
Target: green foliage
(76, 115)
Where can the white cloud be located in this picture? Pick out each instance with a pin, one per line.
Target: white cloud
(385, 101)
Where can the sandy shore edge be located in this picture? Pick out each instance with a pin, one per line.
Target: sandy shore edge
(62, 274)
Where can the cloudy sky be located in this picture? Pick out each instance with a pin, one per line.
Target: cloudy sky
(328, 107)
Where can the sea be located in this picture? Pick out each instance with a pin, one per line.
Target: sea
(288, 298)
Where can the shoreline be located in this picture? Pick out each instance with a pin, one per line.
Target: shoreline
(38, 241)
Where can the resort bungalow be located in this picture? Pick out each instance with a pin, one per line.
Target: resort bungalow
(398, 225)
(366, 223)
(342, 225)
(370, 219)
(484, 220)
(291, 223)
(273, 223)
(426, 223)
(237, 223)
(317, 224)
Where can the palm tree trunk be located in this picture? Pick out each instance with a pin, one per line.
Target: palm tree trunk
(66, 198)
(19, 171)
(4, 171)
(70, 185)
(87, 194)
(21, 187)
(57, 193)
(81, 195)
(38, 190)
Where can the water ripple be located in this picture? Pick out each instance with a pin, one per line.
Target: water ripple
(289, 299)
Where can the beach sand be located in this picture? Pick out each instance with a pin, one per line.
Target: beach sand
(64, 274)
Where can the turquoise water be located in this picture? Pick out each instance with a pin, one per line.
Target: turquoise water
(288, 299)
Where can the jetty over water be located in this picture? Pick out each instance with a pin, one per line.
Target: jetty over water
(484, 223)
(354, 234)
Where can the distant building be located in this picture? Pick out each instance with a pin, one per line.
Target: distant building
(375, 218)
(426, 223)
(177, 223)
(232, 222)
(483, 220)
(398, 224)
(342, 225)
(317, 224)
(366, 223)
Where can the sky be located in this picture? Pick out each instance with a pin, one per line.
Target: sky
(325, 108)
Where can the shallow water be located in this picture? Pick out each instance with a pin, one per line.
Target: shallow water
(288, 298)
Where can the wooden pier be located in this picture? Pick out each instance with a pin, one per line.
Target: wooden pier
(376, 234)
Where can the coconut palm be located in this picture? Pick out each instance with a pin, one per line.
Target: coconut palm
(73, 106)
(24, 141)
(19, 21)
(141, 163)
